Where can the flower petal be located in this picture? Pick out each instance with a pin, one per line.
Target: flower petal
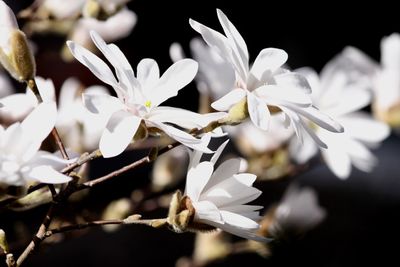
(46, 174)
(174, 78)
(206, 210)
(238, 220)
(183, 137)
(224, 171)
(197, 178)
(39, 123)
(148, 74)
(269, 59)
(119, 132)
(93, 63)
(258, 111)
(236, 40)
(99, 103)
(218, 152)
(228, 100)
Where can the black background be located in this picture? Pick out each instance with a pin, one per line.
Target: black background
(363, 212)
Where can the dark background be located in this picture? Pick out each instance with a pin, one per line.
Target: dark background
(363, 212)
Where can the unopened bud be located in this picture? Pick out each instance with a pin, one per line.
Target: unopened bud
(15, 54)
(3, 241)
(238, 113)
(118, 209)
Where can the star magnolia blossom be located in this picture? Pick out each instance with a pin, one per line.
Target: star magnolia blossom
(266, 84)
(139, 98)
(21, 161)
(219, 197)
(335, 95)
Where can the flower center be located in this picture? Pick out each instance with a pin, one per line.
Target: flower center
(147, 104)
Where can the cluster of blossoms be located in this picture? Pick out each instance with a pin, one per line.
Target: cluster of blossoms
(276, 116)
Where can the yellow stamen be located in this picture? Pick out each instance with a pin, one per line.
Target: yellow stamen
(148, 104)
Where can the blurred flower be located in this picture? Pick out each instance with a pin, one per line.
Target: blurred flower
(169, 169)
(15, 54)
(139, 98)
(265, 84)
(80, 129)
(61, 9)
(117, 209)
(113, 28)
(6, 87)
(341, 98)
(20, 158)
(217, 199)
(297, 213)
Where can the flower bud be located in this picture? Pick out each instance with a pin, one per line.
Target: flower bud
(15, 54)
(117, 209)
(238, 113)
(3, 241)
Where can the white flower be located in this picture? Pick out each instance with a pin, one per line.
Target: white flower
(265, 84)
(21, 160)
(219, 197)
(113, 28)
(340, 97)
(297, 212)
(139, 98)
(110, 6)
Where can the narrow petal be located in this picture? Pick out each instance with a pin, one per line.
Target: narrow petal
(235, 39)
(16, 106)
(197, 178)
(205, 210)
(176, 52)
(269, 59)
(174, 78)
(221, 44)
(258, 111)
(119, 132)
(276, 94)
(183, 137)
(302, 152)
(93, 63)
(238, 220)
(352, 99)
(228, 100)
(46, 174)
(218, 152)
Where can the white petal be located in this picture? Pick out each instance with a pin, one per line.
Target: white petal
(235, 39)
(364, 128)
(183, 118)
(258, 111)
(176, 52)
(363, 158)
(148, 74)
(174, 78)
(244, 233)
(293, 81)
(302, 152)
(352, 99)
(228, 100)
(119, 132)
(390, 51)
(16, 106)
(218, 152)
(319, 118)
(246, 178)
(238, 220)
(336, 157)
(183, 137)
(101, 103)
(93, 63)
(39, 123)
(269, 59)
(276, 95)
(205, 210)
(197, 179)
(46, 174)
(221, 44)
(224, 171)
